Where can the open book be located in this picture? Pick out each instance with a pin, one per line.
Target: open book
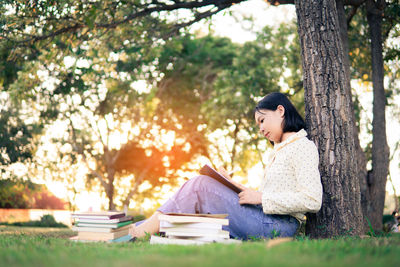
(211, 172)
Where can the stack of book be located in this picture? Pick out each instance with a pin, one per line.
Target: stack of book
(105, 226)
(192, 229)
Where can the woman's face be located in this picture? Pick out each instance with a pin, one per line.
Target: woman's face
(270, 123)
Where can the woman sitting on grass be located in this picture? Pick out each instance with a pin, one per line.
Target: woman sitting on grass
(291, 185)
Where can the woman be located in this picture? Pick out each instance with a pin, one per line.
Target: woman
(290, 188)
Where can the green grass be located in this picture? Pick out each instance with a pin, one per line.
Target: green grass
(22, 246)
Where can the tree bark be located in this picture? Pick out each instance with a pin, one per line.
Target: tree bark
(360, 158)
(329, 120)
(376, 186)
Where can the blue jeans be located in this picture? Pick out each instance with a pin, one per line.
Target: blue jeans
(203, 194)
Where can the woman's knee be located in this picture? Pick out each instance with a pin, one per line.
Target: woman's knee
(204, 183)
(200, 181)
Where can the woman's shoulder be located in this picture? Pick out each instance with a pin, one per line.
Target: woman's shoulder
(303, 147)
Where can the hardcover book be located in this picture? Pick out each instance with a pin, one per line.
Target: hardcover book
(211, 172)
(194, 218)
(105, 215)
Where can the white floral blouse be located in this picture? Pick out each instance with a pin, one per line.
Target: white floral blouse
(292, 183)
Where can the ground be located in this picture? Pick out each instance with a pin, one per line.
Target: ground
(22, 246)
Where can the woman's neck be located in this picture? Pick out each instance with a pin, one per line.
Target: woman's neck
(286, 136)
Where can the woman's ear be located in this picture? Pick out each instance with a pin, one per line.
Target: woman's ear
(281, 110)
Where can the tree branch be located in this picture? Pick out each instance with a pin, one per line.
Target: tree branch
(96, 127)
(198, 17)
(36, 38)
(107, 133)
(148, 9)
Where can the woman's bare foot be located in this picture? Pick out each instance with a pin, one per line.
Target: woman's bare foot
(149, 226)
(132, 229)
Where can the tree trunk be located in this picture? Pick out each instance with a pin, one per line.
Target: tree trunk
(109, 164)
(361, 160)
(329, 120)
(110, 196)
(380, 150)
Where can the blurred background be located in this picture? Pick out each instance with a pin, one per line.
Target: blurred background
(121, 118)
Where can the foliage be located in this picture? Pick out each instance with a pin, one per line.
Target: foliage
(45, 221)
(90, 86)
(258, 69)
(16, 136)
(15, 193)
(210, 84)
(34, 23)
(95, 102)
(359, 42)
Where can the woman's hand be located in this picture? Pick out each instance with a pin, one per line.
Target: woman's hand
(250, 196)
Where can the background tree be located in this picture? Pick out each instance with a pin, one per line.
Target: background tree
(375, 184)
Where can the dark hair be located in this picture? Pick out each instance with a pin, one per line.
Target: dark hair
(292, 122)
